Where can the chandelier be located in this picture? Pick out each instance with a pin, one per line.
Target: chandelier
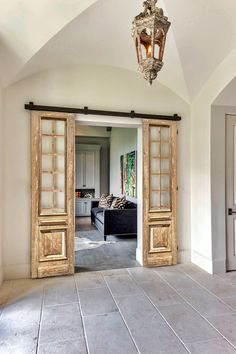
(149, 31)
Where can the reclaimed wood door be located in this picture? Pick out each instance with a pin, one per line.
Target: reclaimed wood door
(159, 193)
(52, 231)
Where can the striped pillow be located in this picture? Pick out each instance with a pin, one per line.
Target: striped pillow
(105, 201)
(118, 203)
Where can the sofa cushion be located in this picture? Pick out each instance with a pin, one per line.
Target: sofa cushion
(118, 203)
(105, 201)
(95, 211)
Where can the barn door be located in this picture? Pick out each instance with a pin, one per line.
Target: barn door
(52, 234)
(159, 193)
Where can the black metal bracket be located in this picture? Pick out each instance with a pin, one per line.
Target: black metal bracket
(32, 107)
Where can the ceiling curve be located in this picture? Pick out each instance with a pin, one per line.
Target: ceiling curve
(36, 36)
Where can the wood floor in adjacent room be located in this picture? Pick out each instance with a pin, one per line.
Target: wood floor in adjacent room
(118, 252)
(171, 310)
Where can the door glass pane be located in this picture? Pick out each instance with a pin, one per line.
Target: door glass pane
(46, 163)
(60, 145)
(155, 200)
(60, 163)
(46, 144)
(155, 133)
(46, 200)
(165, 182)
(46, 126)
(165, 199)
(47, 181)
(155, 166)
(165, 149)
(165, 166)
(155, 149)
(165, 134)
(60, 200)
(60, 181)
(60, 127)
(154, 182)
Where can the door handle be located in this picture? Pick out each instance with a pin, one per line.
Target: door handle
(231, 212)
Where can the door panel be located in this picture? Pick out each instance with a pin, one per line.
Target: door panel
(231, 191)
(159, 193)
(52, 238)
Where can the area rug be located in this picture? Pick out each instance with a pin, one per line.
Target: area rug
(83, 243)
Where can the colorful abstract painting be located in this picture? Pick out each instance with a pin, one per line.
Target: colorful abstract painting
(128, 174)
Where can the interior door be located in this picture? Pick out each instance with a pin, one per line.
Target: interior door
(159, 193)
(52, 236)
(231, 190)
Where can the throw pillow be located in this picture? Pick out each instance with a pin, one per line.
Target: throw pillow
(118, 203)
(105, 201)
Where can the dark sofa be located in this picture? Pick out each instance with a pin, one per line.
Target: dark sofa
(115, 221)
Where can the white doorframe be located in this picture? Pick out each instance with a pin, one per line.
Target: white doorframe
(125, 123)
(218, 182)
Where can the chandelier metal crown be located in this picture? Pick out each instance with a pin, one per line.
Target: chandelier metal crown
(149, 31)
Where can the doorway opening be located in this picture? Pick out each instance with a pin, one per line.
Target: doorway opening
(106, 213)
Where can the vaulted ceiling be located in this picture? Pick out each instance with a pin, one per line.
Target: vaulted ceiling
(38, 35)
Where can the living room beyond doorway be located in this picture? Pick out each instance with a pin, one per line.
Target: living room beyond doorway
(105, 198)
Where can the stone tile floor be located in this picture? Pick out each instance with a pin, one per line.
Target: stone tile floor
(169, 310)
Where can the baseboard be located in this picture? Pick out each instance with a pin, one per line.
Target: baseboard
(139, 256)
(184, 256)
(202, 261)
(16, 271)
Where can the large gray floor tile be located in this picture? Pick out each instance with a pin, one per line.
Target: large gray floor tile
(107, 334)
(204, 302)
(188, 324)
(216, 285)
(226, 324)
(59, 291)
(230, 277)
(143, 274)
(15, 290)
(161, 294)
(61, 323)
(96, 301)
(231, 301)
(18, 333)
(114, 272)
(69, 347)
(18, 350)
(89, 280)
(150, 332)
(121, 285)
(177, 280)
(213, 346)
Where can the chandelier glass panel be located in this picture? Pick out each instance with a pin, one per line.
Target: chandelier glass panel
(149, 31)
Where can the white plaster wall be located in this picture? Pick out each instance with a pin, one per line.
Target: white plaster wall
(96, 87)
(201, 246)
(122, 142)
(1, 188)
(201, 191)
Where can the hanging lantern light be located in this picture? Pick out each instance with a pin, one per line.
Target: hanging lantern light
(149, 30)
